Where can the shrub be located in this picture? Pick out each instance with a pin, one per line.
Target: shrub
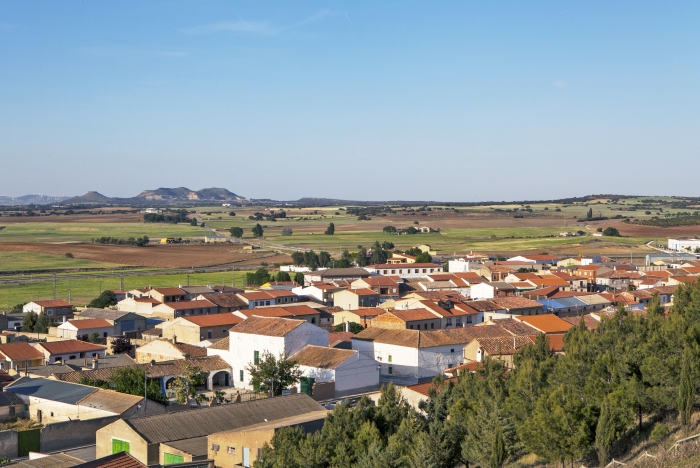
(69, 255)
(611, 232)
(659, 432)
(287, 231)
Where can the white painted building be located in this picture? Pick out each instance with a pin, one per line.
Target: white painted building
(482, 291)
(683, 245)
(77, 329)
(250, 339)
(351, 372)
(405, 270)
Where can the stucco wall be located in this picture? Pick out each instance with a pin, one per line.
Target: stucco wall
(138, 447)
(63, 435)
(8, 444)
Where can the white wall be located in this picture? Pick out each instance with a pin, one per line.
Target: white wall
(680, 244)
(482, 291)
(242, 347)
(356, 374)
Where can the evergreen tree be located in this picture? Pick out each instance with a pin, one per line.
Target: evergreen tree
(29, 321)
(361, 257)
(498, 453)
(605, 432)
(257, 230)
(299, 278)
(330, 230)
(686, 391)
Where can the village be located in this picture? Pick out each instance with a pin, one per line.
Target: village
(215, 360)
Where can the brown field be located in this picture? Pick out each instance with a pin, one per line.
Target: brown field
(638, 230)
(160, 256)
(77, 218)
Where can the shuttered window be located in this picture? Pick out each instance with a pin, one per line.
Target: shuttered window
(170, 459)
(120, 446)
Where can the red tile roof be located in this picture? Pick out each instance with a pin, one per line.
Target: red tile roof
(170, 291)
(547, 323)
(69, 346)
(186, 305)
(90, 323)
(214, 320)
(20, 351)
(53, 303)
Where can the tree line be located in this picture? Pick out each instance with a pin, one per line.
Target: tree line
(137, 241)
(173, 217)
(562, 408)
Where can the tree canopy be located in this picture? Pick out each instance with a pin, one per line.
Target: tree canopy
(272, 372)
(104, 300)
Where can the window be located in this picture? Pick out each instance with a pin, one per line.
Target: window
(432, 325)
(469, 320)
(313, 320)
(411, 327)
(459, 321)
(104, 335)
(390, 358)
(215, 447)
(425, 326)
(423, 270)
(391, 370)
(256, 358)
(170, 459)
(49, 312)
(119, 446)
(72, 357)
(231, 449)
(452, 350)
(267, 302)
(448, 323)
(241, 376)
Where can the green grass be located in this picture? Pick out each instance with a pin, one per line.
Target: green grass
(14, 261)
(84, 289)
(67, 232)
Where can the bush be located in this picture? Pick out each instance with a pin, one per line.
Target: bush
(232, 213)
(659, 432)
(287, 231)
(599, 229)
(69, 255)
(355, 328)
(611, 232)
(389, 229)
(236, 232)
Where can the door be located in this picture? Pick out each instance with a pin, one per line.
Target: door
(246, 457)
(28, 441)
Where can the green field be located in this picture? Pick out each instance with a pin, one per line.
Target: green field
(67, 232)
(13, 261)
(82, 289)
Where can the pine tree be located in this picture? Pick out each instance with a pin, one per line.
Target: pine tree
(686, 391)
(331, 230)
(498, 453)
(605, 432)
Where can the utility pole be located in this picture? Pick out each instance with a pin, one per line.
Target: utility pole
(188, 280)
(54, 286)
(69, 295)
(100, 287)
(233, 276)
(121, 282)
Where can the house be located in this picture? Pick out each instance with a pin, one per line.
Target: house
(138, 305)
(279, 285)
(162, 350)
(590, 272)
(401, 258)
(539, 259)
(356, 298)
(147, 438)
(256, 335)
(216, 370)
(225, 302)
(495, 272)
(266, 298)
(318, 292)
(193, 292)
(173, 310)
(241, 447)
(615, 280)
(483, 291)
(19, 355)
(547, 323)
(502, 348)
(411, 356)
(349, 372)
(196, 328)
(412, 270)
(333, 274)
(55, 308)
(11, 406)
(386, 287)
(122, 321)
(167, 294)
(518, 305)
(52, 401)
(119, 294)
(414, 394)
(86, 328)
(418, 319)
(576, 283)
(298, 312)
(60, 351)
(363, 316)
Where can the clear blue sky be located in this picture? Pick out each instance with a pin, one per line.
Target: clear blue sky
(460, 101)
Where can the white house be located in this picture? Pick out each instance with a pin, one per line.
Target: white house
(405, 270)
(77, 329)
(251, 338)
(351, 372)
(56, 308)
(482, 291)
(410, 356)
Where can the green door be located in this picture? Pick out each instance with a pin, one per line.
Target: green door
(28, 441)
(307, 385)
(119, 446)
(170, 459)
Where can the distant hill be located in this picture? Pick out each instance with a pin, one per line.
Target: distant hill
(31, 200)
(161, 195)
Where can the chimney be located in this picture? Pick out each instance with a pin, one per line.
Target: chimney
(347, 326)
(95, 364)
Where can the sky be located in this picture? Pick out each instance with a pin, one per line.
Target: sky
(362, 100)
